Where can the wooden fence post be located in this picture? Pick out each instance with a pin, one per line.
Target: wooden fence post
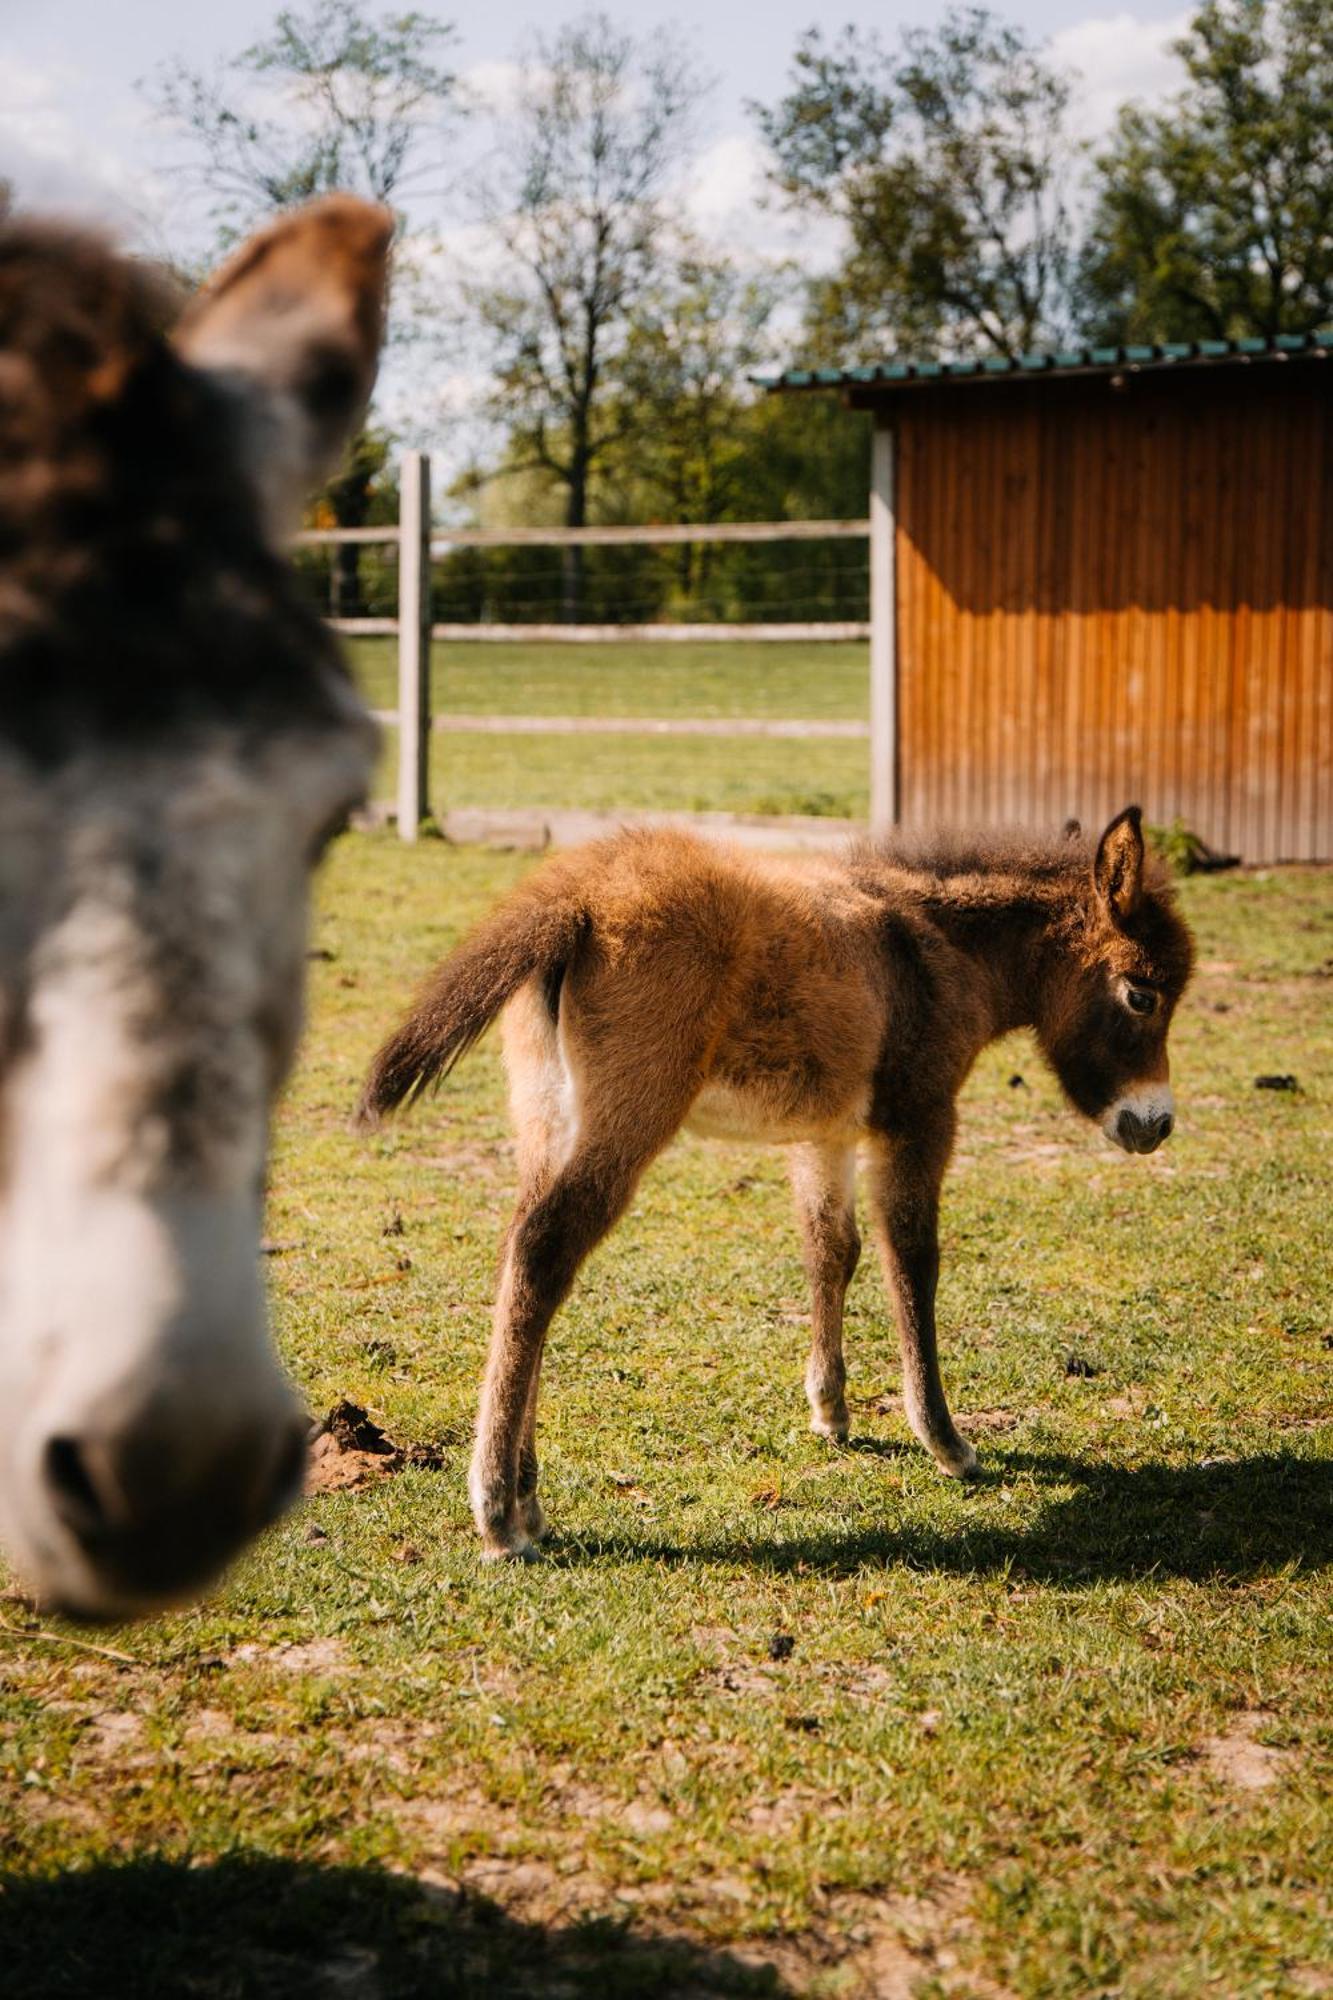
(884, 801)
(413, 643)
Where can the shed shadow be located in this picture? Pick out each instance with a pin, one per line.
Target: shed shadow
(252, 1927)
(1231, 1519)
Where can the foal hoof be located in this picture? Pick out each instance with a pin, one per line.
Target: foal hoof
(518, 1549)
(960, 1462)
(836, 1430)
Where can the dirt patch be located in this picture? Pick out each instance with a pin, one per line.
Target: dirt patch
(443, 1821)
(210, 1725)
(988, 1422)
(876, 1948)
(309, 1656)
(112, 1734)
(714, 1638)
(349, 1451)
(991, 1423)
(389, 1743)
(881, 1948)
(741, 1677)
(1237, 1759)
(1130, 1407)
(788, 1811)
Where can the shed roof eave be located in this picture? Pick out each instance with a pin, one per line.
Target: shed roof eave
(872, 386)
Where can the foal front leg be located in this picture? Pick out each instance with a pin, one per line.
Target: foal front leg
(554, 1228)
(823, 1182)
(906, 1177)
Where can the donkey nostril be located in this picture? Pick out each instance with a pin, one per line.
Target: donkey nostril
(1166, 1125)
(76, 1497)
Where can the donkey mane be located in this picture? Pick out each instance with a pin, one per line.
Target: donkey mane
(985, 880)
(946, 855)
(136, 589)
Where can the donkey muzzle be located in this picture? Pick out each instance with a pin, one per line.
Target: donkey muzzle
(151, 1511)
(1139, 1124)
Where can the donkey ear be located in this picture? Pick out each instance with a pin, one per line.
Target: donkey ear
(293, 324)
(1118, 869)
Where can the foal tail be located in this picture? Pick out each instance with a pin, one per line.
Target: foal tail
(533, 934)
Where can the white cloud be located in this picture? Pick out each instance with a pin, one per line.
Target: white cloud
(726, 183)
(71, 147)
(496, 87)
(53, 164)
(729, 201)
(1117, 57)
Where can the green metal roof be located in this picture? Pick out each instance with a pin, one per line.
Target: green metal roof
(1064, 361)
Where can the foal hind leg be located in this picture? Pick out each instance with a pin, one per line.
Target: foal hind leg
(530, 1514)
(823, 1182)
(596, 1093)
(554, 1228)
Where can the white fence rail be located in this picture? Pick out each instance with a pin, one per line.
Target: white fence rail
(417, 543)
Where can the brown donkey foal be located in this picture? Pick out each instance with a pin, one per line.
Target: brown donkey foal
(653, 982)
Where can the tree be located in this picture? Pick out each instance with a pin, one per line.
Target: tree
(363, 491)
(948, 162)
(1214, 215)
(331, 98)
(694, 341)
(577, 214)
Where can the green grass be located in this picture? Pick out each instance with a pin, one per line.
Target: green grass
(642, 773)
(779, 679)
(995, 1762)
(639, 773)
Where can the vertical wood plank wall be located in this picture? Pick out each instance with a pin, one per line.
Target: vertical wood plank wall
(1105, 596)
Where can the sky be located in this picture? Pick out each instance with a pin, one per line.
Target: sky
(76, 135)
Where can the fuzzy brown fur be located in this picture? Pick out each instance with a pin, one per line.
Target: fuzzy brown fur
(139, 588)
(652, 981)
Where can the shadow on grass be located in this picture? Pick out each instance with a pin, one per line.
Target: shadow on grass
(254, 1928)
(1233, 1518)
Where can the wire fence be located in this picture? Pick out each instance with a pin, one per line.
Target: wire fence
(678, 655)
(617, 586)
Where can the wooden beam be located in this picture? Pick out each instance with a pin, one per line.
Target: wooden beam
(413, 644)
(315, 538)
(661, 534)
(778, 727)
(884, 800)
(685, 635)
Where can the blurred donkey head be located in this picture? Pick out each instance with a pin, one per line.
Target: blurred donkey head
(178, 740)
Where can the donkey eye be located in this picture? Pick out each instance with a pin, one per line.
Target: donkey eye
(1140, 999)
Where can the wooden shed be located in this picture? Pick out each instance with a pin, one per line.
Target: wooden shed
(1105, 575)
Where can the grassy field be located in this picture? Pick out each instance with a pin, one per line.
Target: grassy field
(774, 1718)
(823, 683)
